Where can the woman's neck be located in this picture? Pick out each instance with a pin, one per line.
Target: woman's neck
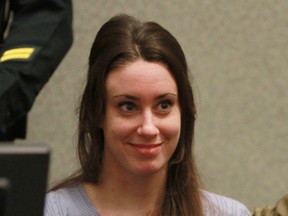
(127, 194)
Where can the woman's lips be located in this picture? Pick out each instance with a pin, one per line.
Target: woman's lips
(147, 149)
(146, 145)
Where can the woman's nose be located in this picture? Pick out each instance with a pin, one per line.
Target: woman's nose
(147, 125)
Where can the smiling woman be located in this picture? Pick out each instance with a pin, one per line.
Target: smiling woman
(141, 128)
(136, 127)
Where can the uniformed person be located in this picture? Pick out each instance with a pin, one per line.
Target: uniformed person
(35, 35)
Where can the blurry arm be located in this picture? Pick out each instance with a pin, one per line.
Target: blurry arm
(281, 208)
(39, 37)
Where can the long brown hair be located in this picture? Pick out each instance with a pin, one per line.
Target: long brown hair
(122, 40)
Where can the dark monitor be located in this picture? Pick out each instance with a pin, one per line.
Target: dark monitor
(23, 179)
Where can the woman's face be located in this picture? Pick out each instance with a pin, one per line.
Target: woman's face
(142, 120)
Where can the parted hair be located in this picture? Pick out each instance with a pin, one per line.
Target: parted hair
(122, 40)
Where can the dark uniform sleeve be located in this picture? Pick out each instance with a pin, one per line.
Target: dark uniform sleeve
(39, 37)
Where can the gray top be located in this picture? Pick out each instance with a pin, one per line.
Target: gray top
(73, 201)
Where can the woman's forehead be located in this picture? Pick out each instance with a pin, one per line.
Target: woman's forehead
(141, 74)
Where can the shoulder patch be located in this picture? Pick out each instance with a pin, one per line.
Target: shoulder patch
(19, 53)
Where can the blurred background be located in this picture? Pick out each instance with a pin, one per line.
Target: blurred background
(237, 52)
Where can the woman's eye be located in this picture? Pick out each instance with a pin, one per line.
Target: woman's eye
(127, 106)
(165, 106)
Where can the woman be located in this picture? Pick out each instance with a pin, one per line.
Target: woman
(136, 127)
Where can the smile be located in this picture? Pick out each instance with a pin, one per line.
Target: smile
(147, 150)
(147, 146)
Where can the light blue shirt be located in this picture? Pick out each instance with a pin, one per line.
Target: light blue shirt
(73, 201)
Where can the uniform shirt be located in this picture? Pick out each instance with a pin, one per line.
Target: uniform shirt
(35, 41)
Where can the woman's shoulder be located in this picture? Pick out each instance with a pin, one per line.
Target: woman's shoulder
(71, 200)
(217, 205)
(58, 202)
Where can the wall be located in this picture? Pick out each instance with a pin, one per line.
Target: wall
(237, 52)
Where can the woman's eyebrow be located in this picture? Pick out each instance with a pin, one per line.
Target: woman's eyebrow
(165, 95)
(125, 96)
(131, 97)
